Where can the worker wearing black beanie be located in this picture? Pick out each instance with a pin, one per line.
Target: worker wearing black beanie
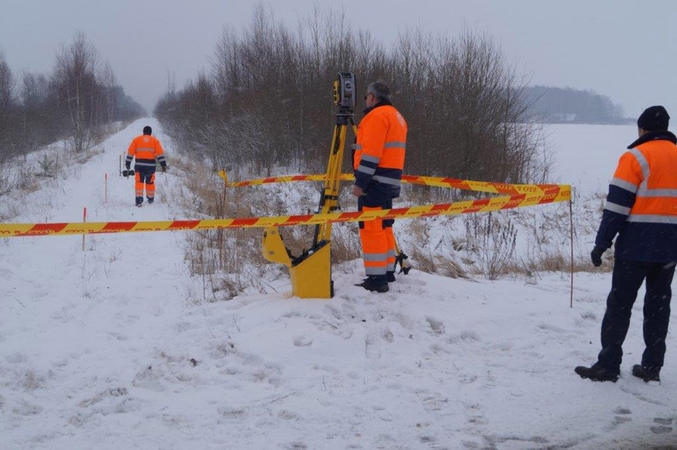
(640, 221)
(654, 118)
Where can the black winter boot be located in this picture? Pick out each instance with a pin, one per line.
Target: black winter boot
(597, 372)
(646, 374)
(375, 284)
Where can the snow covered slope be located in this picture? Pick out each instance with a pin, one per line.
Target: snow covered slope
(101, 349)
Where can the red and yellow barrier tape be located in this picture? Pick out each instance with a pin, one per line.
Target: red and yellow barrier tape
(453, 183)
(549, 194)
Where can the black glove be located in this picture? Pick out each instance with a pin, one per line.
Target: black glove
(596, 256)
(164, 169)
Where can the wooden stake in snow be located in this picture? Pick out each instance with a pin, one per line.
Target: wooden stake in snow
(571, 228)
(84, 219)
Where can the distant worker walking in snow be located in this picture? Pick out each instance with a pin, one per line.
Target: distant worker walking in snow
(378, 161)
(641, 208)
(148, 151)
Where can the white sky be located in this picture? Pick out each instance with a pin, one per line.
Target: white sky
(620, 48)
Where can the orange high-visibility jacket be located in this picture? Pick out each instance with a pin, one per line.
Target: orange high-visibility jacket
(147, 150)
(378, 158)
(641, 206)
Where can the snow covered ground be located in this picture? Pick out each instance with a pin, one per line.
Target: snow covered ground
(103, 348)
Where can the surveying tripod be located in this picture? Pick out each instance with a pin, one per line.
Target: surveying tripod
(310, 273)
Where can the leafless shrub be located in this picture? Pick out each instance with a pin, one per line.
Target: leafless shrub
(345, 243)
(423, 259)
(498, 244)
(426, 260)
(225, 266)
(448, 266)
(47, 167)
(5, 183)
(25, 182)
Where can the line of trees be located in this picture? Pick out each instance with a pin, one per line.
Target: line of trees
(567, 105)
(77, 102)
(266, 104)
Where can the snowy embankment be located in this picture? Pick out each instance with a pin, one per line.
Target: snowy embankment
(103, 349)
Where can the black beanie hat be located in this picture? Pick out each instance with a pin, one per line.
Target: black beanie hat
(149, 130)
(654, 118)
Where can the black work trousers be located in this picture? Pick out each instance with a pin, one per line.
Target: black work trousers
(627, 278)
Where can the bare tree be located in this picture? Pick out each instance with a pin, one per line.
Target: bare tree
(109, 83)
(7, 100)
(7, 84)
(37, 119)
(75, 81)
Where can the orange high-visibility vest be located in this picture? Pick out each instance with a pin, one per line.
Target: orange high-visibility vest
(147, 150)
(380, 150)
(641, 206)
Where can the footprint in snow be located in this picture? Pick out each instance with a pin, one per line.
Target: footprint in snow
(435, 325)
(372, 347)
(662, 427)
(302, 341)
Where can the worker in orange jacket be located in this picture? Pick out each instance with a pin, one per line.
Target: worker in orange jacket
(641, 213)
(378, 161)
(148, 152)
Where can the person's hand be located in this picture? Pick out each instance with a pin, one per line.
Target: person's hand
(596, 256)
(358, 191)
(164, 169)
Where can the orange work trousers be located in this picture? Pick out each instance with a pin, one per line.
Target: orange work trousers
(378, 244)
(144, 179)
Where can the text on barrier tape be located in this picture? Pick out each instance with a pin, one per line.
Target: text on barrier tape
(443, 182)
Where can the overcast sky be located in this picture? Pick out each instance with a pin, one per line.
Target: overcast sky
(624, 49)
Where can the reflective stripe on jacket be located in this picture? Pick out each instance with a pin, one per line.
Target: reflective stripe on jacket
(147, 150)
(641, 207)
(379, 152)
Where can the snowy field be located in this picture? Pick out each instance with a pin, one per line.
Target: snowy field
(102, 348)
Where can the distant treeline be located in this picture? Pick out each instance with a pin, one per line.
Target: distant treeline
(76, 102)
(566, 105)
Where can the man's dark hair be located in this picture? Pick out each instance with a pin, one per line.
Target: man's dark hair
(380, 90)
(147, 130)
